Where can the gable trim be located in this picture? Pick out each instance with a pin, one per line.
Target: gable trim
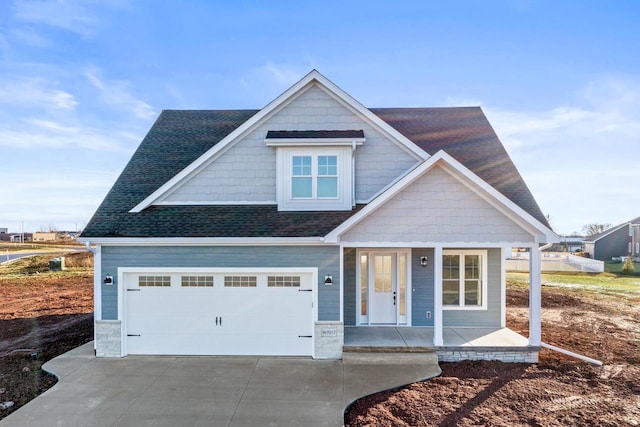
(467, 178)
(314, 77)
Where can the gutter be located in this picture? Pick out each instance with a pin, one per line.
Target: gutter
(87, 245)
(572, 354)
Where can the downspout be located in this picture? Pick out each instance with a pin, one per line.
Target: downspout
(562, 350)
(571, 353)
(87, 245)
(353, 174)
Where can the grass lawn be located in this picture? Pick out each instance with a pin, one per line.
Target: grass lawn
(600, 283)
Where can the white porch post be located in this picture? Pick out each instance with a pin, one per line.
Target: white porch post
(535, 297)
(97, 289)
(437, 297)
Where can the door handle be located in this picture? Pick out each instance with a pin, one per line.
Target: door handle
(394, 298)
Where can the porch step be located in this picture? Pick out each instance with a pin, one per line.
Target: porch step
(363, 355)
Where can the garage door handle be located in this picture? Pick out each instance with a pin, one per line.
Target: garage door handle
(305, 290)
(133, 290)
(305, 336)
(134, 335)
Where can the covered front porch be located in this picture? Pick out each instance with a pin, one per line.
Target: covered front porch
(458, 342)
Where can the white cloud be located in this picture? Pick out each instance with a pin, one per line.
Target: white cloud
(78, 16)
(579, 159)
(35, 92)
(32, 133)
(117, 93)
(282, 74)
(30, 37)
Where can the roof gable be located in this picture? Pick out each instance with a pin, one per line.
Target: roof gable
(441, 159)
(313, 79)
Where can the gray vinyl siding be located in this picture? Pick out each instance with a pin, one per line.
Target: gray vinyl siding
(422, 286)
(325, 258)
(247, 171)
(613, 245)
(350, 286)
(482, 318)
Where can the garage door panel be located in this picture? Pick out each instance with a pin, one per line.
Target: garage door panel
(256, 314)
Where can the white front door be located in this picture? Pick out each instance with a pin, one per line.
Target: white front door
(383, 289)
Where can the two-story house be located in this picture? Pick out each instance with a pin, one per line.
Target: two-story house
(289, 229)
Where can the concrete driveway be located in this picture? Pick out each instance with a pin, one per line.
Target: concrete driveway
(206, 391)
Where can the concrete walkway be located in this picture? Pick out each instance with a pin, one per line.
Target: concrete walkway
(207, 391)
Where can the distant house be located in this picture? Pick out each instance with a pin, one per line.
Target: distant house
(44, 236)
(570, 244)
(621, 240)
(15, 237)
(4, 230)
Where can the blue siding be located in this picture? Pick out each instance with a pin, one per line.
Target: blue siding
(482, 318)
(325, 258)
(422, 286)
(350, 286)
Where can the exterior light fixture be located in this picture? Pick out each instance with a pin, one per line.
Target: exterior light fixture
(424, 261)
(108, 280)
(328, 280)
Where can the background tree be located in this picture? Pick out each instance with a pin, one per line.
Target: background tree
(593, 229)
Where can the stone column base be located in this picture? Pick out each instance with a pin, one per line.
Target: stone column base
(329, 339)
(108, 338)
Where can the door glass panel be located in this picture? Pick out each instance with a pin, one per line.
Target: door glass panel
(382, 265)
(402, 284)
(363, 284)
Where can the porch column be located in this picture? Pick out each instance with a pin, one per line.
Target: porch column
(437, 297)
(535, 297)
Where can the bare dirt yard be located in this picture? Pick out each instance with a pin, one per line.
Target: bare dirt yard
(602, 322)
(42, 315)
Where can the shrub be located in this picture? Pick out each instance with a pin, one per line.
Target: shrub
(628, 268)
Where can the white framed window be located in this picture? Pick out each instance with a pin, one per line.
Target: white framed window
(464, 279)
(314, 178)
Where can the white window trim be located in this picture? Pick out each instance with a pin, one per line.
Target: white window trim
(345, 179)
(483, 256)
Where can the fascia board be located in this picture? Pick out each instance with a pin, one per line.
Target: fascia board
(286, 142)
(504, 205)
(280, 102)
(356, 107)
(226, 141)
(490, 194)
(204, 241)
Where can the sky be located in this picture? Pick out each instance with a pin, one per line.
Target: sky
(82, 81)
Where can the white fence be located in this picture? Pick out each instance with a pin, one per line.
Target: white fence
(555, 261)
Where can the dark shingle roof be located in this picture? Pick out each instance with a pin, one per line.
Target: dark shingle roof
(286, 134)
(465, 134)
(177, 138)
(610, 230)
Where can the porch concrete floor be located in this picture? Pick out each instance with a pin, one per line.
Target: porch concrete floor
(389, 336)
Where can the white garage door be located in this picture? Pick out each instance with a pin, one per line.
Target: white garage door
(219, 313)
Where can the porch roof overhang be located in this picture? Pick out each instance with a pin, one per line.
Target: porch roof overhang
(540, 232)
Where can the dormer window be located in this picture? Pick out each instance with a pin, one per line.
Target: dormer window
(314, 177)
(315, 168)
